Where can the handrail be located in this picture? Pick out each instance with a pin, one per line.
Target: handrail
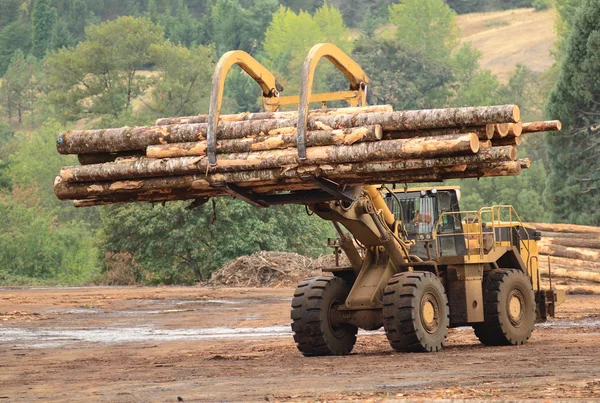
(496, 221)
(265, 79)
(353, 72)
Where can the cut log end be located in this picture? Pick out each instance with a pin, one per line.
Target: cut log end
(501, 130)
(516, 114)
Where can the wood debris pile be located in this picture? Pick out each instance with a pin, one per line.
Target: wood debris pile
(266, 269)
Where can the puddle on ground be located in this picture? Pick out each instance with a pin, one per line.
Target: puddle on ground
(586, 323)
(22, 338)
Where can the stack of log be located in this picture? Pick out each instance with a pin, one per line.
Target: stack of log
(571, 255)
(256, 152)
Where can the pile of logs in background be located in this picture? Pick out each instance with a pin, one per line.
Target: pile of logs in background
(573, 254)
(257, 152)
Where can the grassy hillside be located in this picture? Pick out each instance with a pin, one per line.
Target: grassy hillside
(507, 38)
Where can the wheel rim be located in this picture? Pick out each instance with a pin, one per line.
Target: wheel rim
(515, 307)
(430, 313)
(338, 331)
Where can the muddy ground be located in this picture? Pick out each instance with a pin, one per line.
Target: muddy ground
(208, 344)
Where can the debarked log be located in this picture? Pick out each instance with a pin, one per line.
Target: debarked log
(426, 147)
(269, 142)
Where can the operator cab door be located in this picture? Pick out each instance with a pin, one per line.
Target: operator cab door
(420, 211)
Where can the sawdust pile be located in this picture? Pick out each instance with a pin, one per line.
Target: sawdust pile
(270, 269)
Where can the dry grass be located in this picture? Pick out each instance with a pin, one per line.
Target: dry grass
(508, 38)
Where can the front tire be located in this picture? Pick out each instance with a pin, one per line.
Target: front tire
(415, 312)
(313, 305)
(509, 309)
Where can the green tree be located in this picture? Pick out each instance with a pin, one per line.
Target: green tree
(573, 186)
(403, 77)
(43, 18)
(20, 86)
(184, 74)
(177, 245)
(181, 28)
(15, 36)
(428, 26)
(290, 36)
(98, 77)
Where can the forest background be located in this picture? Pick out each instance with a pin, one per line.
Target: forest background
(105, 63)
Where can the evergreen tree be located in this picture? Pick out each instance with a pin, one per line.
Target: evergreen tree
(573, 186)
(43, 18)
(13, 37)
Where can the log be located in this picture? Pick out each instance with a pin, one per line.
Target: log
(573, 242)
(427, 147)
(543, 126)
(578, 289)
(501, 130)
(485, 132)
(274, 179)
(238, 117)
(568, 263)
(138, 138)
(89, 159)
(570, 253)
(515, 129)
(573, 274)
(485, 145)
(507, 141)
(572, 228)
(270, 142)
(563, 235)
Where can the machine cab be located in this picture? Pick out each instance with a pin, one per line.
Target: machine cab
(419, 210)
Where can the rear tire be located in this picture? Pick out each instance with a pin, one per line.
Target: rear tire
(509, 309)
(314, 301)
(415, 312)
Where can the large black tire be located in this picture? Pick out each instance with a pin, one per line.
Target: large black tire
(509, 309)
(312, 306)
(415, 312)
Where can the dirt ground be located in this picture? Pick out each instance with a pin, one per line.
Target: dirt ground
(211, 344)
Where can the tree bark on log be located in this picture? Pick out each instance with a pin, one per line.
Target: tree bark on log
(506, 141)
(570, 253)
(574, 275)
(572, 228)
(427, 147)
(89, 159)
(573, 242)
(485, 132)
(125, 139)
(238, 117)
(275, 179)
(567, 235)
(578, 289)
(543, 126)
(270, 142)
(567, 263)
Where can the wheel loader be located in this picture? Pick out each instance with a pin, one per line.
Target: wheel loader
(417, 264)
